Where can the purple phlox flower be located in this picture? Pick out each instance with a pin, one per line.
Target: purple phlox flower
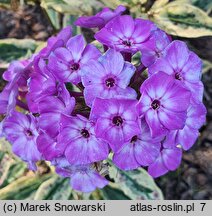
(1, 129)
(56, 41)
(51, 108)
(168, 160)
(186, 137)
(84, 178)
(8, 99)
(153, 48)
(116, 120)
(163, 103)
(47, 146)
(42, 84)
(22, 131)
(100, 19)
(141, 150)
(18, 73)
(78, 141)
(125, 34)
(66, 63)
(108, 77)
(183, 65)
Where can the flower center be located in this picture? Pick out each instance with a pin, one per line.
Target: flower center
(85, 133)
(117, 120)
(127, 43)
(75, 66)
(110, 82)
(134, 139)
(29, 133)
(178, 76)
(155, 104)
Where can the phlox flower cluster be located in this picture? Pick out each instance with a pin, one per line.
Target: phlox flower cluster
(76, 106)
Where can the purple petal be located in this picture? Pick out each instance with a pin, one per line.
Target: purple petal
(112, 61)
(196, 90)
(82, 182)
(87, 181)
(161, 64)
(192, 69)
(90, 52)
(93, 73)
(76, 46)
(143, 29)
(172, 120)
(196, 115)
(176, 98)
(106, 37)
(177, 54)
(123, 26)
(91, 92)
(125, 158)
(63, 54)
(47, 146)
(81, 151)
(49, 122)
(125, 75)
(156, 128)
(146, 152)
(172, 158)
(89, 22)
(157, 168)
(187, 137)
(157, 85)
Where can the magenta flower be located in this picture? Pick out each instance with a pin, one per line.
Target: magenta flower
(86, 179)
(18, 73)
(40, 87)
(108, 77)
(50, 115)
(141, 150)
(43, 84)
(83, 178)
(153, 48)
(163, 103)
(195, 119)
(67, 81)
(182, 65)
(56, 41)
(8, 99)
(22, 131)
(125, 34)
(168, 160)
(46, 145)
(116, 120)
(66, 63)
(78, 141)
(100, 19)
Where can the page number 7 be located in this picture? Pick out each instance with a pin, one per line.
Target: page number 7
(203, 205)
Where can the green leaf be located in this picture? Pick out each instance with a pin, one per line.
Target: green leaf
(182, 20)
(136, 184)
(205, 5)
(13, 49)
(55, 188)
(72, 7)
(23, 187)
(110, 192)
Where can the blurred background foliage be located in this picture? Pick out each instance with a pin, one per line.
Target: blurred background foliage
(25, 26)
